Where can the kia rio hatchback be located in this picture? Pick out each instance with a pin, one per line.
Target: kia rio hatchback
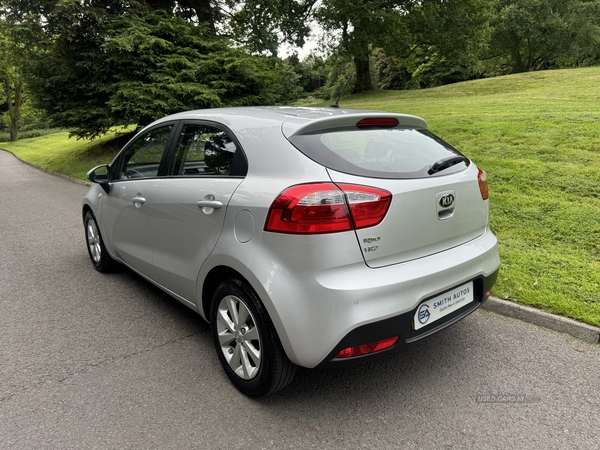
(307, 237)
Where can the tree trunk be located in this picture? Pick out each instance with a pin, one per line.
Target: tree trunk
(363, 74)
(205, 14)
(360, 53)
(204, 11)
(14, 100)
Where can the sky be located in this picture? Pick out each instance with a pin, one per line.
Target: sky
(311, 44)
(286, 50)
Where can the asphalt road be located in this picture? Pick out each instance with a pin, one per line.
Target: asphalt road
(108, 361)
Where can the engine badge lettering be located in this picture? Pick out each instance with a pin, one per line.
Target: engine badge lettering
(371, 239)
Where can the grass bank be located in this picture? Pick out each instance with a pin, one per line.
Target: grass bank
(538, 137)
(69, 156)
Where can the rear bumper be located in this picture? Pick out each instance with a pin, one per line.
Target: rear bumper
(402, 326)
(321, 297)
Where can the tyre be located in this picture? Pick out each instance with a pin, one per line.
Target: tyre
(95, 245)
(246, 341)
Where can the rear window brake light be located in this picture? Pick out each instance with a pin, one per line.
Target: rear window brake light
(378, 122)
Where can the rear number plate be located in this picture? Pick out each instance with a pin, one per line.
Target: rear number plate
(435, 308)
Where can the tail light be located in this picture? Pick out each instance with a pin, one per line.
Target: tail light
(327, 208)
(483, 186)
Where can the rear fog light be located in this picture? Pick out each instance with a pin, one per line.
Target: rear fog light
(365, 349)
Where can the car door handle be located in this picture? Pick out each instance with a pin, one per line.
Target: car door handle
(138, 199)
(214, 204)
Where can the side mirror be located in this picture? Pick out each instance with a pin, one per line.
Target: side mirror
(100, 175)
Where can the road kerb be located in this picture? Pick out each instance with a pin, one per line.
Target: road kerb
(583, 331)
(56, 174)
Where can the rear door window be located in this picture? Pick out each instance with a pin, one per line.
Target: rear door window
(206, 150)
(379, 153)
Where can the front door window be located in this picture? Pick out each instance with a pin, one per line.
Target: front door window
(142, 158)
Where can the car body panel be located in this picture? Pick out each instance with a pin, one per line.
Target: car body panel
(183, 234)
(124, 223)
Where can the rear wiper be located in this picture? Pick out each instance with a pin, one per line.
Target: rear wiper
(445, 163)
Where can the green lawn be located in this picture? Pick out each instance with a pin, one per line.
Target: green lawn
(72, 157)
(538, 137)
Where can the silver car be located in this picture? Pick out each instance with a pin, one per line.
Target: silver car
(309, 237)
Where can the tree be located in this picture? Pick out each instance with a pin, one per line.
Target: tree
(17, 45)
(116, 63)
(261, 25)
(391, 75)
(12, 86)
(362, 26)
(315, 73)
(531, 34)
(449, 28)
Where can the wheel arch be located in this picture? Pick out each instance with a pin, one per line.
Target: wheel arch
(273, 370)
(86, 208)
(224, 271)
(212, 280)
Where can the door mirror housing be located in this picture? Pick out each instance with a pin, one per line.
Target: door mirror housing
(100, 175)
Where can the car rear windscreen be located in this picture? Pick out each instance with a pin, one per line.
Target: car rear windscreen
(377, 153)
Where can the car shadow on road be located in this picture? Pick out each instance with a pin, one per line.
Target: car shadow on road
(405, 373)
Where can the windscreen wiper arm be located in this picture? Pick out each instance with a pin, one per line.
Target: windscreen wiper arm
(445, 163)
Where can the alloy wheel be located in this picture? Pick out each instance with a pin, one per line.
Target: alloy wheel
(239, 338)
(93, 237)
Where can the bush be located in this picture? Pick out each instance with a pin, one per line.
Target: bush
(5, 135)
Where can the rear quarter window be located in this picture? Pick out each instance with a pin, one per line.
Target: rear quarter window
(378, 153)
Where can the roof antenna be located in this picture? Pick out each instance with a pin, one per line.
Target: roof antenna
(337, 102)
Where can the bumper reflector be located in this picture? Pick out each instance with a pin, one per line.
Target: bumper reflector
(365, 349)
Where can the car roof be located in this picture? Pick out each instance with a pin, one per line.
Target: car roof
(294, 119)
